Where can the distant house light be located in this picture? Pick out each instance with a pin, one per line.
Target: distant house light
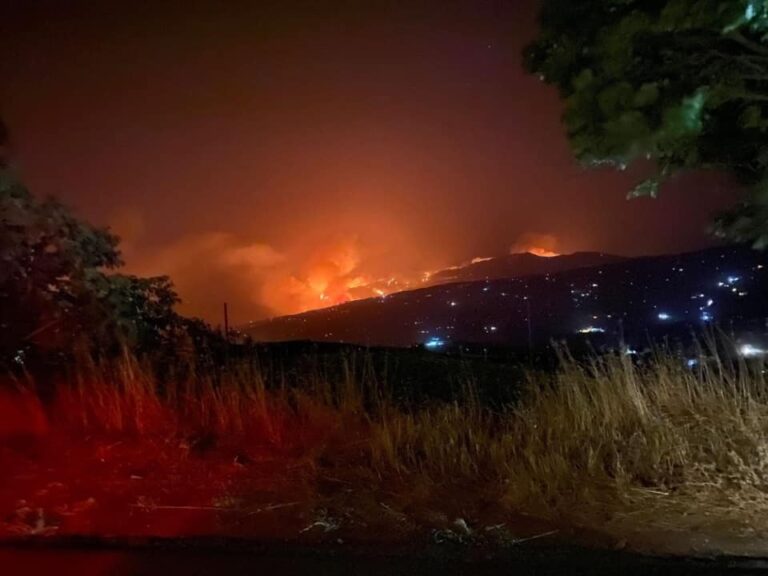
(433, 343)
(592, 330)
(750, 351)
(729, 281)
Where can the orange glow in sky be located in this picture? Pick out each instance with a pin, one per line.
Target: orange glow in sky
(542, 252)
(542, 245)
(282, 160)
(260, 279)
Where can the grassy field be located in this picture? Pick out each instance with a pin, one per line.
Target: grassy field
(611, 446)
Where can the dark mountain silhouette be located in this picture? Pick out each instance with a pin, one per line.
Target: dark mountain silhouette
(631, 298)
(522, 264)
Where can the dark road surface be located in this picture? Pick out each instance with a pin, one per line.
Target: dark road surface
(224, 559)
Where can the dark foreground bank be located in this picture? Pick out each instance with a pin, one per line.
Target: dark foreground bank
(212, 556)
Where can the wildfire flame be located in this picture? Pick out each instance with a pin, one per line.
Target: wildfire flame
(542, 245)
(262, 279)
(541, 252)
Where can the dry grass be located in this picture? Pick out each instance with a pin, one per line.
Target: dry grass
(610, 439)
(123, 397)
(615, 430)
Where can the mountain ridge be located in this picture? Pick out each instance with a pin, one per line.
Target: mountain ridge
(520, 264)
(632, 295)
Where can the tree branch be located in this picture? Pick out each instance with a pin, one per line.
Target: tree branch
(748, 44)
(750, 97)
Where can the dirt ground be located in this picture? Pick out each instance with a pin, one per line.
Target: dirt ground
(166, 488)
(133, 489)
(56, 484)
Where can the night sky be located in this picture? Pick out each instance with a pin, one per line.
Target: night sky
(287, 155)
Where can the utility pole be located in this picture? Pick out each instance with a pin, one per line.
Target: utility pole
(226, 323)
(530, 328)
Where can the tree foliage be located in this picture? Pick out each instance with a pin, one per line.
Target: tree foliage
(61, 292)
(680, 82)
(58, 287)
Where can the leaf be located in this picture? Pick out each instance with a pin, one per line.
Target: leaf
(615, 98)
(685, 118)
(752, 118)
(647, 95)
(647, 188)
(583, 80)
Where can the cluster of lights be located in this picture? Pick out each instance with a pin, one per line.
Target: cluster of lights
(584, 294)
(705, 314)
(729, 281)
(578, 294)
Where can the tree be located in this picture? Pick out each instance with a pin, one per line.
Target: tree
(681, 82)
(134, 311)
(50, 261)
(58, 286)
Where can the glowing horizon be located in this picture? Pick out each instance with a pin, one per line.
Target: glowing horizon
(361, 287)
(543, 252)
